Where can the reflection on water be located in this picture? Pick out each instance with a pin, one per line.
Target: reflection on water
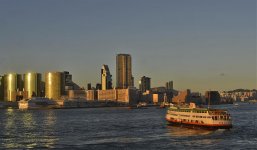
(176, 131)
(50, 122)
(28, 121)
(50, 118)
(110, 128)
(32, 129)
(9, 122)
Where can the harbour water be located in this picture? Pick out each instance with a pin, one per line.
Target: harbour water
(121, 128)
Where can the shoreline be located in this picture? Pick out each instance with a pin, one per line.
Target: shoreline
(77, 105)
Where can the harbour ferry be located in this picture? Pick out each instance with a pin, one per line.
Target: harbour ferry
(199, 117)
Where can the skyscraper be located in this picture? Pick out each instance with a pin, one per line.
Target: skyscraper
(32, 84)
(124, 78)
(68, 83)
(54, 85)
(145, 84)
(106, 78)
(169, 85)
(12, 84)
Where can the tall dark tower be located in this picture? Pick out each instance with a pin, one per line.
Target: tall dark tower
(124, 78)
(145, 84)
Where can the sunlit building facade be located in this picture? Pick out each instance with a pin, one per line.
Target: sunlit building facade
(1, 88)
(124, 78)
(12, 85)
(32, 84)
(54, 85)
(106, 78)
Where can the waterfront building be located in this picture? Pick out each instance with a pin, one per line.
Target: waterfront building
(182, 97)
(238, 95)
(169, 85)
(146, 97)
(188, 97)
(98, 86)
(125, 96)
(13, 83)
(32, 84)
(144, 84)
(106, 78)
(77, 94)
(54, 85)
(69, 85)
(91, 95)
(158, 98)
(212, 97)
(124, 78)
(1, 88)
(89, 86)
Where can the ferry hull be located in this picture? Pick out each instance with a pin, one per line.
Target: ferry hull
(195, 125)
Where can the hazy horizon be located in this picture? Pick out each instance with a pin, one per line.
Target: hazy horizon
(200, 45)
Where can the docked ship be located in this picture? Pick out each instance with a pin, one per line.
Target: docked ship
(199, 117)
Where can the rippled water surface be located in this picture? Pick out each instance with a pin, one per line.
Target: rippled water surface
(121, 128)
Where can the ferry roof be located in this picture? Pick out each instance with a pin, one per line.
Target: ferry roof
(202, 109)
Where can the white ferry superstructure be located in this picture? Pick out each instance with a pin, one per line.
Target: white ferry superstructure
(200, 117)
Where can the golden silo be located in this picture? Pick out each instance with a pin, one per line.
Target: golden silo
(12, 85)
(54, 85)
(32, 84)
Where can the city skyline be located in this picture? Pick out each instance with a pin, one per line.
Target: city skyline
(199, 45)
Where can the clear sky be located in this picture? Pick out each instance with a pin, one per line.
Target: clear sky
(199, 44)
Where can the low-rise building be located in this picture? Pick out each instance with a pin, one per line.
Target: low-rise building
(127, 96)
(76, 94)
(91, 95)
